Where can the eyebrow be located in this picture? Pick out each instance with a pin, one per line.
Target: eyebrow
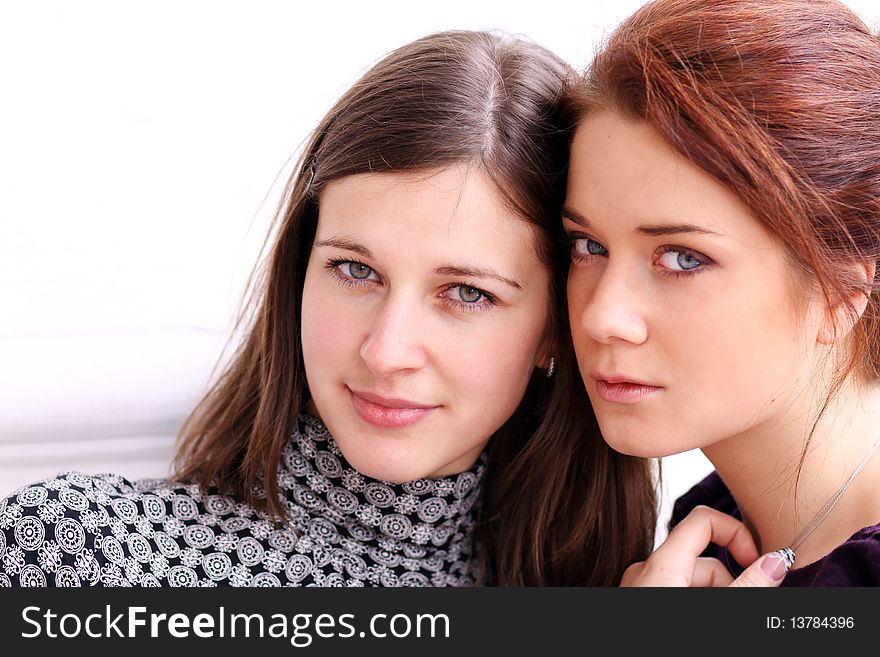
(676, 229)
(348, 245)
(652, 229)
(476, 272)
(446, 270)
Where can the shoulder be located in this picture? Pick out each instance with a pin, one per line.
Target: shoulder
(67, 530)
(856, 562)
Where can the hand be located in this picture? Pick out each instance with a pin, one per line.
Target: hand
(678, 562)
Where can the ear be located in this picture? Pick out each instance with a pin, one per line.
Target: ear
(841, 319)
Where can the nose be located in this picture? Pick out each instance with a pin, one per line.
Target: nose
(611, 308)
(394, 342)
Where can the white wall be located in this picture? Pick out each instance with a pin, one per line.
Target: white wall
(139, 148)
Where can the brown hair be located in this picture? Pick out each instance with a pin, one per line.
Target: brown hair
(559, 507)
(780, 102)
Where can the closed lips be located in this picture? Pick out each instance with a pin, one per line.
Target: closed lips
(390, 402)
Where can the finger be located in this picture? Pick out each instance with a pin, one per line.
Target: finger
(691, 536)
(767, 571)
(710, 573)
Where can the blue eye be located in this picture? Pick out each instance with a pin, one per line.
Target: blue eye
(595, 248)
(680, 260)
(688, 261)
(589, 247)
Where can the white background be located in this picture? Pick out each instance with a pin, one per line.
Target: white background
(143, 146)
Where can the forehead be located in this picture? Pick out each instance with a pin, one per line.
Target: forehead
(623, 172)
(430, 212)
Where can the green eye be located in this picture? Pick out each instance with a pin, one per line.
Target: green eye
(359, 270)
(469, 294)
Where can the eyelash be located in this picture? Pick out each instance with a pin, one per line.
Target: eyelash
(477, 306)
(487, 301)
(332, 267)
(705, 261)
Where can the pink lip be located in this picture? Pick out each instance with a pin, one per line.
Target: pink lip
(621, 389)
(387, 412)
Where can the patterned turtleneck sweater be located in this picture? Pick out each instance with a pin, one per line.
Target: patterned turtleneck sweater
(345, 529)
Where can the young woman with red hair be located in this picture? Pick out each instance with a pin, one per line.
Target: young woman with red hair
(724, 214)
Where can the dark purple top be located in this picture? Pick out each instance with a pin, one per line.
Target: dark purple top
(853, 563)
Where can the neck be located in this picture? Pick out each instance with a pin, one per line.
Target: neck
(780, 488)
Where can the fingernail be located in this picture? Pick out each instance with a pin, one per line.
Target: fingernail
(775, 565)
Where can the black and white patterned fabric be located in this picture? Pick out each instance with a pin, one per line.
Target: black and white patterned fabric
(346, 529)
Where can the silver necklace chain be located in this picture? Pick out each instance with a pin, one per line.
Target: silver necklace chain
(825, 510)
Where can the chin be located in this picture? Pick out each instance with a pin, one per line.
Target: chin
(628, 449)
(636, 445)
(392, 476)
(630, 442)
(384, 469)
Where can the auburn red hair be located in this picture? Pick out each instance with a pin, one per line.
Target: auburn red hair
(780, 102)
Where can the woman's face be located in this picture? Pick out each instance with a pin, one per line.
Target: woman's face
(424, 315)
(689, 323)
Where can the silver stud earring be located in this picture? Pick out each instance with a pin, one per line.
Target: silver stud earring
(551, 368)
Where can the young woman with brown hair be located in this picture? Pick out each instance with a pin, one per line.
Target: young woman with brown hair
(390, 417)
(724, 214)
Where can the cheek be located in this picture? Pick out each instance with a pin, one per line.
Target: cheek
(739, 359)
(325, 327)
(579, 289)
(492, 370)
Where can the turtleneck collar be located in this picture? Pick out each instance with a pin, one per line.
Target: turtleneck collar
(422, 525)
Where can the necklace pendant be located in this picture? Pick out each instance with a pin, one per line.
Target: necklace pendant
(788, 555)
